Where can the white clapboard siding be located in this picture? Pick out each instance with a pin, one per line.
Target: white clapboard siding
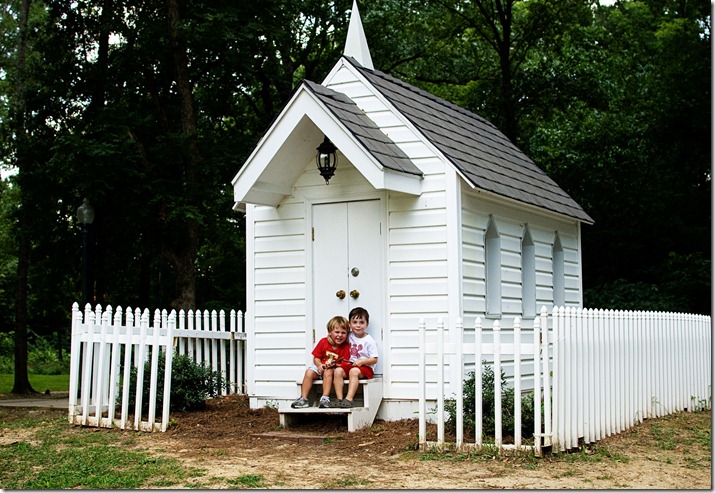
(106, 345)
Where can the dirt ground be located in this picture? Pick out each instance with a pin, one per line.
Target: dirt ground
(231, 443)
(229, 440)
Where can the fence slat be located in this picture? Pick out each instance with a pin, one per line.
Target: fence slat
(440, 382)
(517, 382)
(422, 387)
(459, 384)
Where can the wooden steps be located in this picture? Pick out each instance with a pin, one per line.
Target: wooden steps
(365, 405)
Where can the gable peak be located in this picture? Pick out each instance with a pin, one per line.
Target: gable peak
(356, 42)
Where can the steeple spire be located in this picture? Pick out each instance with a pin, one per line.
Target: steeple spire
(356, 43)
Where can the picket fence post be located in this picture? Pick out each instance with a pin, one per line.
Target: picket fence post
(168, 360)
(422, 384)
(517, 382)
(459, 337)
(496, 328)
(538, 435)
(478, 383)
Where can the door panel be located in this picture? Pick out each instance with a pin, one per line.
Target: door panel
(347, 260)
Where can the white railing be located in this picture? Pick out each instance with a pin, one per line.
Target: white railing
(593, 373)
(105, 348)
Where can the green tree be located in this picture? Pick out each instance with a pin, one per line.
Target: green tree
(111, 90)
(626, 133)
(613, 102)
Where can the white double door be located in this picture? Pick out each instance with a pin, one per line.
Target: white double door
(347, 264)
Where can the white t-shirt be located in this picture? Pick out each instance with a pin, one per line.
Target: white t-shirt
(362, 347)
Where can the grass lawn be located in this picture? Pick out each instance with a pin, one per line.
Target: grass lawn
(53, 383)
(46, 453)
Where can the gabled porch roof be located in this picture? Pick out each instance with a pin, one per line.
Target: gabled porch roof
(312, 112)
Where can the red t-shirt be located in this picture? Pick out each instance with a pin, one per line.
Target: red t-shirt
(323, 346)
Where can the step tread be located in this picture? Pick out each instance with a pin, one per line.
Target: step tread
(323, 410)
(361, 381)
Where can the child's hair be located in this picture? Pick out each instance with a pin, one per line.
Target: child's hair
(338, 321)
(359, 312)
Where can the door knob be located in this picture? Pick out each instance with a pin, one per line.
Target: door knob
(341, 294)
(354, 294)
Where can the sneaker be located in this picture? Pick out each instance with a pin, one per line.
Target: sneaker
(324, 402)
(346, 403)
(300, 403)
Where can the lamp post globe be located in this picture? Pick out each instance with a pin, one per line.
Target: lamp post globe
(85, 216)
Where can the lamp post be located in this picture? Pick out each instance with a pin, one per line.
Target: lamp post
(85, 216)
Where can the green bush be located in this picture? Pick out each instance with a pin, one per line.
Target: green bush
(41, 356)
(7, 355)
(191, 384)
(42, 359)
(469, 390)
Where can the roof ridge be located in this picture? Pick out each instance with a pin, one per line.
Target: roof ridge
(421, 92)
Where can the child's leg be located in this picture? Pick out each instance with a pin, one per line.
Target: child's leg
(339, 381)
(353, 384)
(308, 378)
(328, 381)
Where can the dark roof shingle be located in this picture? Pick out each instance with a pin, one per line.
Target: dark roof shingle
(370, 136)
(475, 146)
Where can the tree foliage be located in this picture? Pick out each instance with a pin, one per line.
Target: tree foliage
(148, 109)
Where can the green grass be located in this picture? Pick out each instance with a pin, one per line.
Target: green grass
(48, 455)
(248, 481)
(351, 482)
(53, 383)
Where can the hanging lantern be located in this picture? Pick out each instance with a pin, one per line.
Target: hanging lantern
(327, 159)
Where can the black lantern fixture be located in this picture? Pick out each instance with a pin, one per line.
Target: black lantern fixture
(327, 159)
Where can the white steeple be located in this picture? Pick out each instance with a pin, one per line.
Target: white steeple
(356, 43)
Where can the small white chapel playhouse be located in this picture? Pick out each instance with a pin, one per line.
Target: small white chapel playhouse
(431, 213)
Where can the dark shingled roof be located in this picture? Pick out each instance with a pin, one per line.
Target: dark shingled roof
(475, 147)
(388, 154)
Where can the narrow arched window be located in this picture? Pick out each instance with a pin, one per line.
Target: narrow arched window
(492, 259)
(528, 275)
(559, 281)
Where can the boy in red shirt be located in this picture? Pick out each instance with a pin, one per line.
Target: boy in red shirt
(327, 355)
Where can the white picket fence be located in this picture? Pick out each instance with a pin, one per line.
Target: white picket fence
(593, 373)
(103, 345)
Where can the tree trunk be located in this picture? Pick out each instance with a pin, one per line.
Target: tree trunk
(504, 14)
(183, 257)
(21, 384)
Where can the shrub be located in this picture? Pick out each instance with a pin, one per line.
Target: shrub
(191, 384)
(42, 359)
(488, 426)
(7, 352)
(41, 356)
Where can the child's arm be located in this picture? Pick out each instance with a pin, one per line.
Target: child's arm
(368, 354)
(365, 361)
(319, 364)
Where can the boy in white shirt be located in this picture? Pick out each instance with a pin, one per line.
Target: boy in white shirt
(363, 358)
